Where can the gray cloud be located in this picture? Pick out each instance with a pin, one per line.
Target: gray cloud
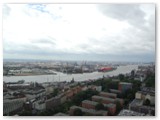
(48, 40)
(135, 43)
(140, 37)
(124, 12)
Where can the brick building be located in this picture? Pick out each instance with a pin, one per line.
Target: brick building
(52, 102)
(109, 95)
(88, 112)
(111, 108)
(124, 86)
(103, 100)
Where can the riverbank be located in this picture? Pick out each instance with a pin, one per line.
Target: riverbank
(29, 74)
(68, 77)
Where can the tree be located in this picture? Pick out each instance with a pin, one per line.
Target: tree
(153, 112)
(99, 106)
(121, 77)
(78, 112)
(113, 85)
(83, 95)
(26, 113)
(132, 73)
(147, 102)
(72, 81)
(55, 92)
(118, 106)
(150, 79)
(130, 96)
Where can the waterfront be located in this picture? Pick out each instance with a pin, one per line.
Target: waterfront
(69, 77)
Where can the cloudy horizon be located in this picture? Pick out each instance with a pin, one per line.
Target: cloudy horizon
(99, 32)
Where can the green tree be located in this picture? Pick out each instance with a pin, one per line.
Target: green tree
(79, 97)
(26, 113)
(118, 106)
(72, 81)
(132, 73)
(99, 106)
(78, 112)
(121, 77)
(150, 79)
(147, 102)
(55, 92)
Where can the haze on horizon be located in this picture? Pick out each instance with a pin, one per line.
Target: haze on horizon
(104, 32)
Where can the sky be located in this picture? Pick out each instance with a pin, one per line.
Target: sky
(97, 32)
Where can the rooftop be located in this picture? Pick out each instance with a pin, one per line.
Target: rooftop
(95, 103)
(90, 102)
(115, 91)
(126, 83)
(91, 111)
(148, 90)
(110, 94)
(104, 98)
(126, 112)
(145, 93)
(137, 102)
(110, 105)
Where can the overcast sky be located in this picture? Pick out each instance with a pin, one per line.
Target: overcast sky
(106, 32)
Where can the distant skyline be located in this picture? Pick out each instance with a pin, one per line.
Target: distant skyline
(97, 32)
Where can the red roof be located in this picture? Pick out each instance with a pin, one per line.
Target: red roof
(106, 68)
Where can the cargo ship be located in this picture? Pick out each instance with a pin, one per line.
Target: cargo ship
(106, 69)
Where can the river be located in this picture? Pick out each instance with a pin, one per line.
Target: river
(68, 77)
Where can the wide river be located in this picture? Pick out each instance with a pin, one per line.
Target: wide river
(68, 77)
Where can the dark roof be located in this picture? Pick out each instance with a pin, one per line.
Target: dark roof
(104, 98)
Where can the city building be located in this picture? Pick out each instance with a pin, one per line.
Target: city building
(126, 112)
(18, 86)
(106, 94)
(53, 102)
(84, 88)
(146, 93)
(103, 100)
(137, 105)
(88, 111)
(12, 106)
(63, 98)
(115, 91)
(124, 86)
(113, 96)
(39, 105)
(37, 93)
(94, 87)
(76, 89)
(69, 94)
(145, 96)
(49, 89)
(111, 108)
